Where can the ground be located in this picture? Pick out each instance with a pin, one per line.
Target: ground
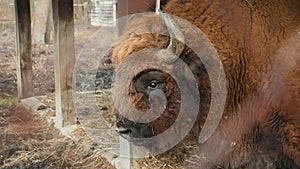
(26, 139)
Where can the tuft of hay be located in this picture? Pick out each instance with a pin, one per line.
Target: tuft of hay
(172, 159)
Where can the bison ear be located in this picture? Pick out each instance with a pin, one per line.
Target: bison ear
(177, 40)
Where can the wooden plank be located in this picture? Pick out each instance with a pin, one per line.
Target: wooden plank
(33, 104)
(49, 25)
(23, 49)
(157, 7)
(124, 159)
(64, 61)
(41, 9)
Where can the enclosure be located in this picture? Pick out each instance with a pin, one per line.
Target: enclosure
(61, 63)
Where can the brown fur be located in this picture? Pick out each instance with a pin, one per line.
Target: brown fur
(263, 80)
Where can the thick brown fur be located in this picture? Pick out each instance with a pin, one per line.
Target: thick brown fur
(258, 43)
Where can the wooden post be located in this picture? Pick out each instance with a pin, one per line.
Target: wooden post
(41, 10)
(85, 10)
(157, 7)
(23, 49)
(64, 61)
(114, 13)
(49, 25)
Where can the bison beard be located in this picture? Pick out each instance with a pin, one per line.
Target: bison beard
(260, 127)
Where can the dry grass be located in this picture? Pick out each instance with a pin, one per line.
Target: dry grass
(173, 159)
(30, 142)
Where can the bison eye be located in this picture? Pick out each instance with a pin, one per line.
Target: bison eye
(153, 85)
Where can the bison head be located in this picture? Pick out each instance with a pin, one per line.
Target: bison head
(155, 92)
(151, 93)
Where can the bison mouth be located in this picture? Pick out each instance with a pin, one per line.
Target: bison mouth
(133, 132)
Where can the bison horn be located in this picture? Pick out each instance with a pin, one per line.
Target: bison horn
(177, 42)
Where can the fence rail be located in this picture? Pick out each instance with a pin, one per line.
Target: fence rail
(103, 13)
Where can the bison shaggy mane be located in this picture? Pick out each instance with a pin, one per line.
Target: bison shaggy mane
(258, 43)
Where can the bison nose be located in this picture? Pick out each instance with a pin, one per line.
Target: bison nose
(120, 128)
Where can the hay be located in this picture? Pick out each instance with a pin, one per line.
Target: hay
(29, 142)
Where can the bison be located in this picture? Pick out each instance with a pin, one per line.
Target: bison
(258, 44)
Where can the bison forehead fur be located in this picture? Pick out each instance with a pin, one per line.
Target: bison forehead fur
(258, 43)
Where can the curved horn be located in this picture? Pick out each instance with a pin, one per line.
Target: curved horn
(177, 41)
